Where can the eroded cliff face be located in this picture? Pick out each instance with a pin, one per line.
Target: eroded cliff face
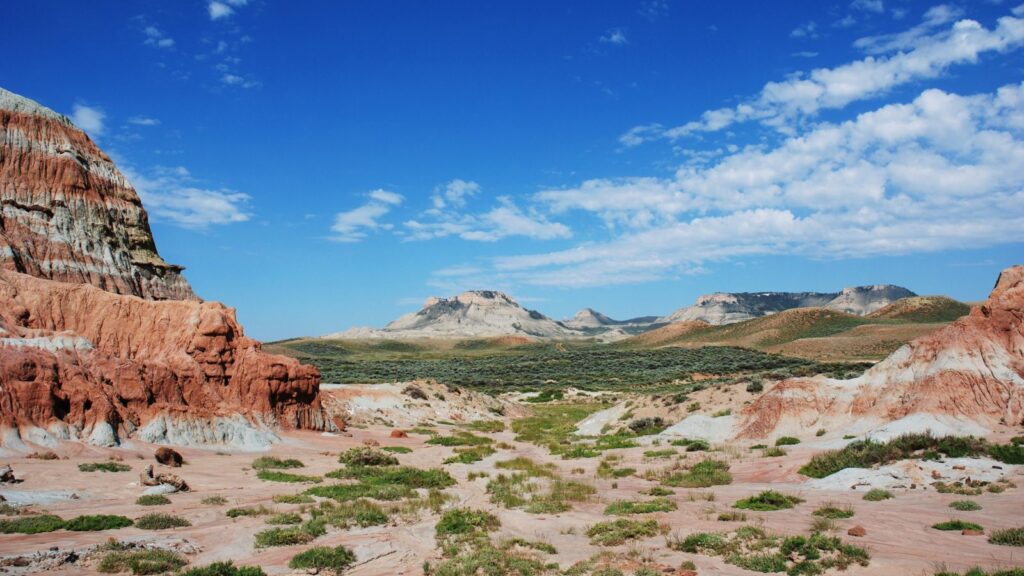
(68, 214)
(100, 339)
(966, 377)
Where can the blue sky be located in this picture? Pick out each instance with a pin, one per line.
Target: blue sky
(320, 165)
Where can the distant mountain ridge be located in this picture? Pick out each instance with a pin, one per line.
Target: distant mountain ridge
(728, 308)
(490, 313)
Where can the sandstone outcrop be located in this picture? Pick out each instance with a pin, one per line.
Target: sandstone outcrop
(101, 339)
(967, 377)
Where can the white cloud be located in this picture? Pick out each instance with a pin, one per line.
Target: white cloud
(88, 118)
(935, 17)
(653, 9)
(354, 225)
(807, 30)
(223, 8)
(237, 81)
(171, 194)
(143, 121)
(446, 218)
(156, 37)
(941, 172)
(876, 6)
(615, 36)
(920, 56)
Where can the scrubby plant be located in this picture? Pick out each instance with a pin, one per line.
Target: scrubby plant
(704, 474)
(466, 520)
(877, 495)
(152, 500)
(366, 456)
(787, 441)
(868, 453)
(834, 511)
(615, 532)
(214, 500)
(103, 467)
(360, 512)
(460, 439)
(1008, 537)
(732, 517)
(290, 536)
(275, 463)
(335, 559)
(140, 562)
(160, 522)
(957, 524)
(768, 501)
(260, 510)
(397, 449)
(773, 452)
(225, 569)
(965, 505)
(658, 491)
(293, 499)
(625, 507)
(31, 524)
(286, 518)
(97, 522)
(278, 476)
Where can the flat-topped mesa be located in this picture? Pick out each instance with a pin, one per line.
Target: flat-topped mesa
(68, 214)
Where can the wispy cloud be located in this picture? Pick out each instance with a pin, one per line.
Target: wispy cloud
(653, 9)
(89, 118)
(807, 30)
(219, 9)
(156, 37)
(143, 121)
(901, 59)
(454, 193)
(355, 224)
(876, 6)
(615, 36)
(944, 171)
(173, 195)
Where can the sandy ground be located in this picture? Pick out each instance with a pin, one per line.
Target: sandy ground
(899, 536)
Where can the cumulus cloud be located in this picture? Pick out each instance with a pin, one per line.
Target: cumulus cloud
(943, 171)
(897, 60)
(615, 36)
(354, 225)
(446, 218)
(89, 118)
(173, 195)
(807, 30)
(156, 37)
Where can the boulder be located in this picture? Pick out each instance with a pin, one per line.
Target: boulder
(7, 474)
(857, 531)
(168, 457)
(399, 434)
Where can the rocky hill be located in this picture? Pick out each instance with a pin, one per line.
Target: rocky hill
(590, 319)
(473, 314)
(967, 377)
(727, 308)
(102, 339)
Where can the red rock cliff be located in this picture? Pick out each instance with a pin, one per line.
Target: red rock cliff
(100, 338)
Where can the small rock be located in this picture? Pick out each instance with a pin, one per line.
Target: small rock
(371, 442)
(168, 457)
(857, 531)
(969, 532)
(959, 467)
(7, 474)
(399, 434)
(936, 475)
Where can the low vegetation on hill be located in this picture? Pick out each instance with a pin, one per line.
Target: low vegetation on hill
(536, 366)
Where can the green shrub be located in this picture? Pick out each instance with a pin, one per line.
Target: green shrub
(359, 513)
(834, 511)
(787, 441)
(768, 501)
(225, 569)
(152, 500)
(615, 532)
(469, 455)
(31, 524)
(141, 562)
(465, 521)
(290, 536)
(336, 559)
(877, 495)
(397, 449)
(1008, 537)
(214, 500)
(659, 491)
(460, 439)
(274, 463)
(104, 467)
(732, 517)
(260, 510)
(285, 518)
(625, 507)
(980, 572)
(397, 475)
(704, 474)
(956, 524)
(278, 476)
(1009, 453)
(965, 505)
(95, 523)
(346, 492)
(293, 499)
(868, 453)
(773, 452)
(366, 456)
(160, 522)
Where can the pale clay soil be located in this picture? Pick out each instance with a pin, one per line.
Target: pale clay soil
(898, 534)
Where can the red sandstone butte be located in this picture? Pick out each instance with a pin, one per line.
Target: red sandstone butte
(966, 376)
(100, 339)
